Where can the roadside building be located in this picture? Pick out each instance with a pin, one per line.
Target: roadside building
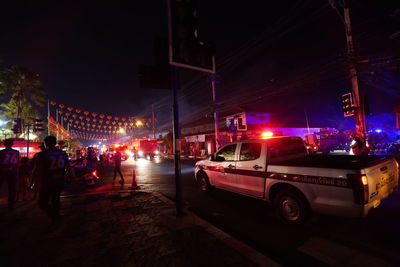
(198, 137)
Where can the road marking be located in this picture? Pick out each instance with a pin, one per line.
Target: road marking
(338, 255)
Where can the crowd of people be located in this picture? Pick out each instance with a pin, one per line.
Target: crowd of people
(45, 175)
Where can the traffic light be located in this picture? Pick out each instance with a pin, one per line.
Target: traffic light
(187, 49)
(38, 125)
(17, 129)
(347, 105)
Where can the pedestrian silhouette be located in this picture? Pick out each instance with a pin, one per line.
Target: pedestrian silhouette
(9, 159)
(24, 177)
(359, 147)
(117, 167)
(35, 180)
(91, 158)
(50, 166)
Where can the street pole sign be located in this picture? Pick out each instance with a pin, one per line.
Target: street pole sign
(186, 51)
(185, 48)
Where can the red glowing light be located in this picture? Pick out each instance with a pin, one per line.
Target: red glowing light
(364, 180)
(266, 134)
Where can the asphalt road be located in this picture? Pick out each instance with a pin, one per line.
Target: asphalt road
(321, 241)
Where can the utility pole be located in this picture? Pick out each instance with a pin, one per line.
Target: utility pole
(216, 119)
(358, 103)
(152, 114)
(48, 117)
(177, 145)
(308, 125)
(357, 96)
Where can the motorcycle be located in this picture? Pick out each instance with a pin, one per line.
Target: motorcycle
(80, 174)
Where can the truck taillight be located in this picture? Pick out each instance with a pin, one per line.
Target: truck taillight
(359, 184)
(364, 180)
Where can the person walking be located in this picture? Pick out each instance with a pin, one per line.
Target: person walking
(50, 166)
(9, 159)
(91, 159)
(359, 147)
(34, 185)
(117, 167)
(24, 177)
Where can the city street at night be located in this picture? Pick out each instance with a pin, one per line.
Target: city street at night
(188, 133)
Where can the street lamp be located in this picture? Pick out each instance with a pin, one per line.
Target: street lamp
(121, 130)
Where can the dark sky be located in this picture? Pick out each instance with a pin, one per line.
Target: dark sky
(274, 56)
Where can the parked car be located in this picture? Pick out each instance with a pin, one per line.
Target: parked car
(279, 171)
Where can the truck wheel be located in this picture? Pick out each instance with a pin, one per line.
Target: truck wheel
(290, 207)
(204, 182)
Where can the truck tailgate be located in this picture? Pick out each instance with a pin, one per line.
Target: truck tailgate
(383, 179)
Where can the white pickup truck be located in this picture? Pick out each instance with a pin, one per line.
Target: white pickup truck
(279, 170)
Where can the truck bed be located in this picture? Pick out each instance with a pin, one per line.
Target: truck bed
(335, 161)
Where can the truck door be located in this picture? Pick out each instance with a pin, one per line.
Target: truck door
(250, 169)
(223, 173)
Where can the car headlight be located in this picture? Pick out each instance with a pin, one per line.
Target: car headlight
(140, 153)
(156, 152)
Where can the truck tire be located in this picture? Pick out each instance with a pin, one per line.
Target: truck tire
(290, 207)
(204, 182)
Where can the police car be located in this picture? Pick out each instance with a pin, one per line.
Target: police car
(279, 170)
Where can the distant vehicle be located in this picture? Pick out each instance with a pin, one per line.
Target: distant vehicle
(327, 143)
(145, 148)
(279, 170)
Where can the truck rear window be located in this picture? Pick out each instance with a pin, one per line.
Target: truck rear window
(280, 148)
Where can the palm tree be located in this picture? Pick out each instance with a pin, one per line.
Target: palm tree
(9, 110)
(25, 92)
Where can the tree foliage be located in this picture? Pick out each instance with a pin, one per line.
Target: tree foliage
(21, 92)
(70, 143)
(9, 109)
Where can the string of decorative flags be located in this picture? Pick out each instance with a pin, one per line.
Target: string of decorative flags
(91, 125)
(56, 127)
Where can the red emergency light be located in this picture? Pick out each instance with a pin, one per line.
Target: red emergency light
(266, 134)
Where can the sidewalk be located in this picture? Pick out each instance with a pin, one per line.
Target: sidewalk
(117, 229)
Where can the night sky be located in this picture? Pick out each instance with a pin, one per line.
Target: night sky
(282, 57)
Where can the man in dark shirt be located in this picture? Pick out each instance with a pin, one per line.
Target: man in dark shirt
(50, 166)
(117, 167)
(359, 147)
(9, 159)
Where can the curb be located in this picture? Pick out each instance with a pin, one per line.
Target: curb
(244, 249)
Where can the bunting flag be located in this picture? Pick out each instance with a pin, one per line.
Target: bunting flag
(92, 136)
(88, 125)
(90, 115)
(56, 127)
